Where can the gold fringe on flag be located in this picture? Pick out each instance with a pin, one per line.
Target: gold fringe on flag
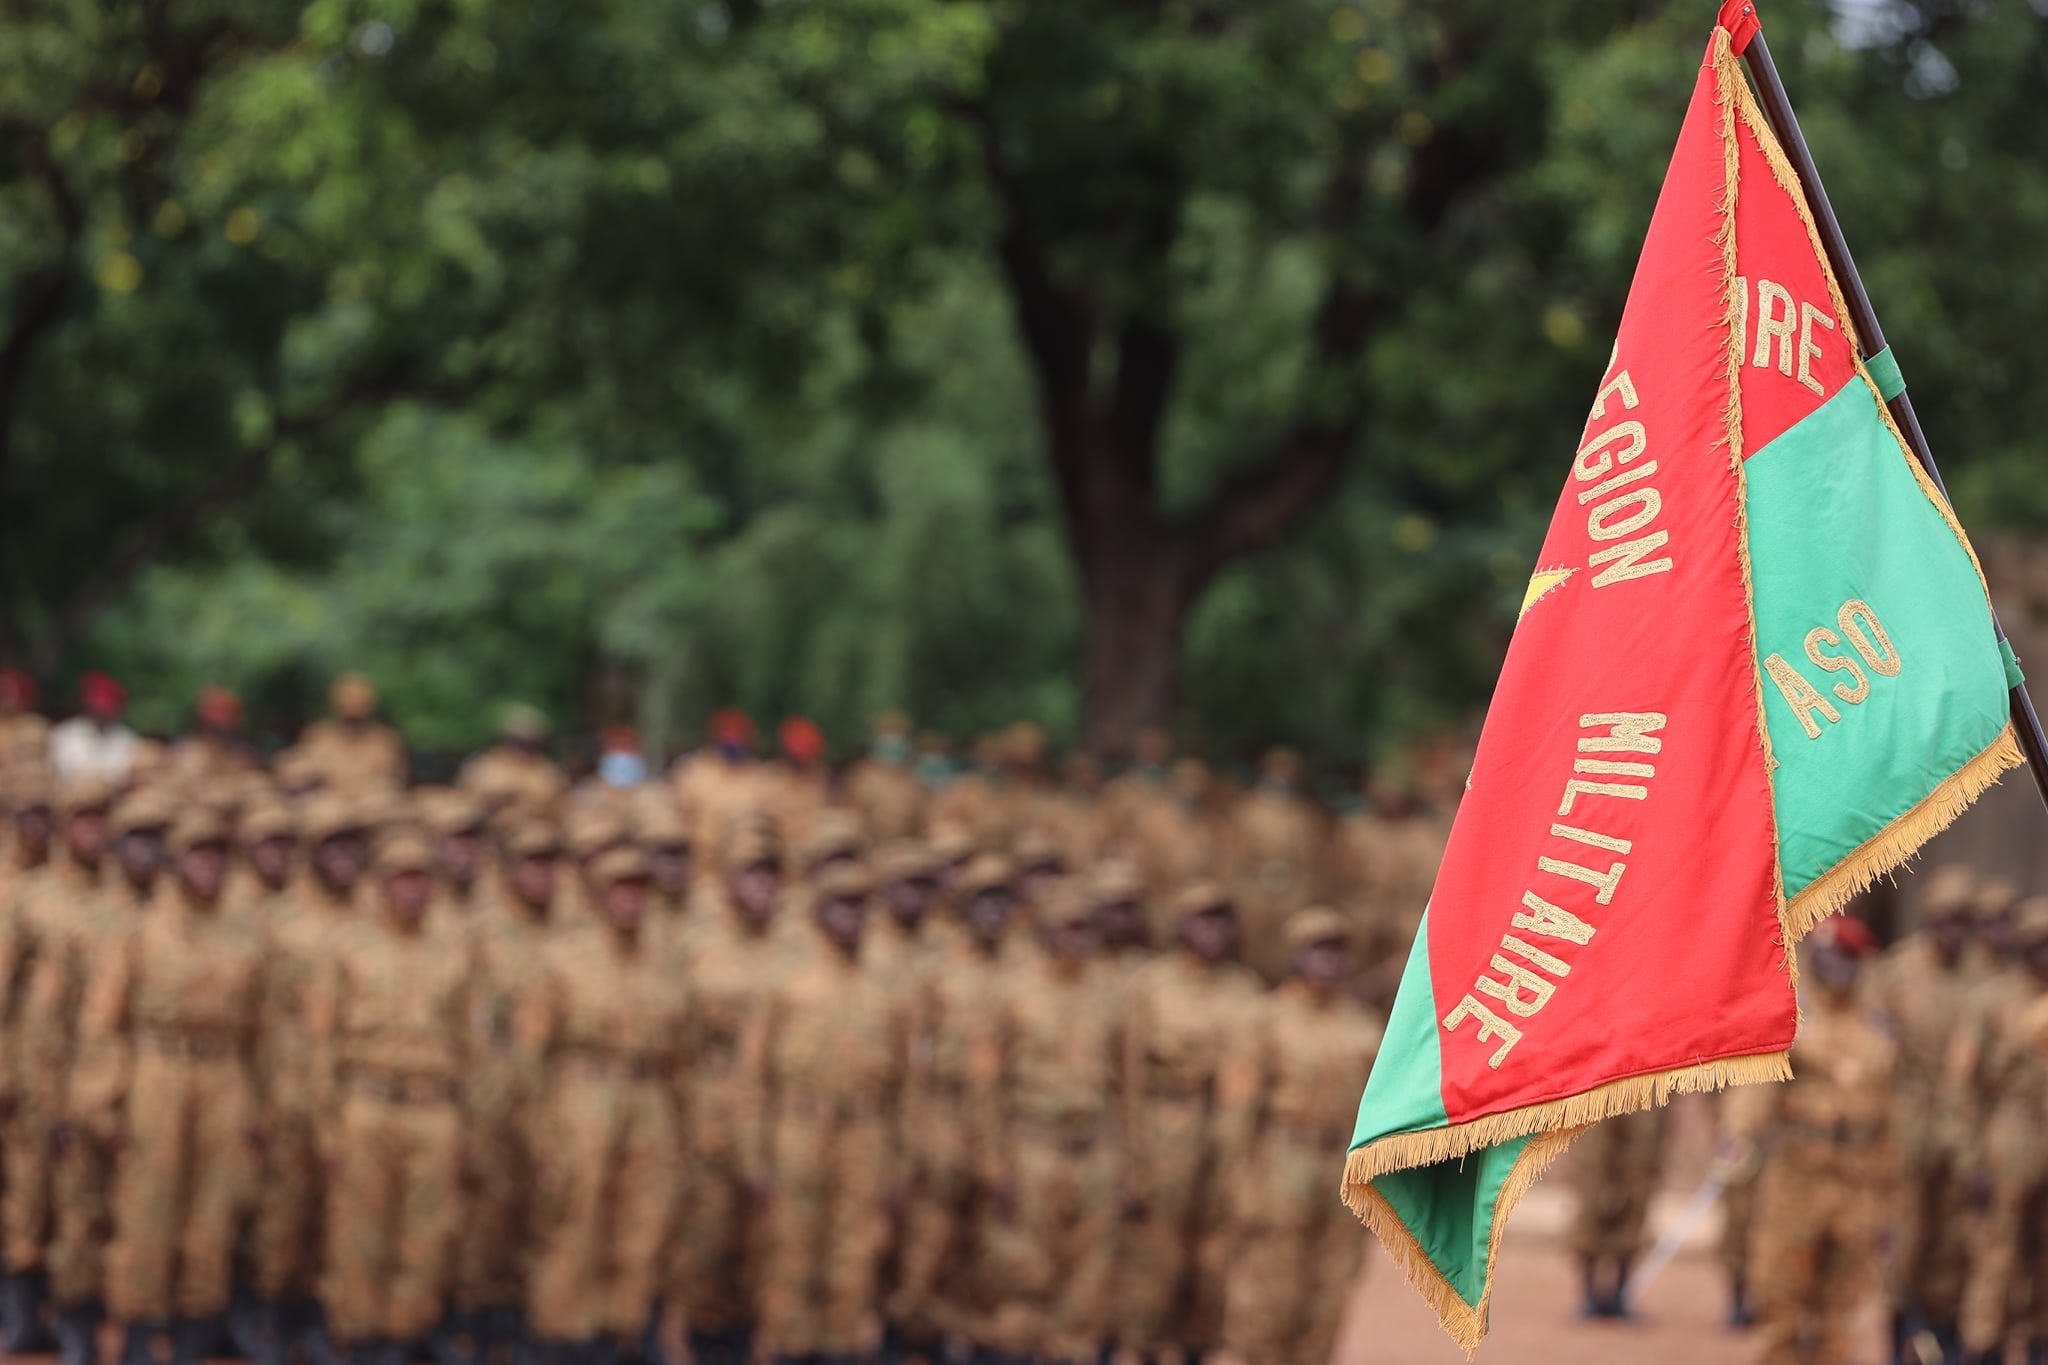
(1554, 1124)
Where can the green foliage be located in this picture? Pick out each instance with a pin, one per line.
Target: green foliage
(638, 358)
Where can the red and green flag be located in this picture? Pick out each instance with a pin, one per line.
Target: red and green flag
(1755, 669)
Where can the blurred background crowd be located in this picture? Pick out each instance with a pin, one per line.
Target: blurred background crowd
(759, 1054)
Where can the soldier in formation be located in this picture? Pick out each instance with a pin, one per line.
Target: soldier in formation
(760, 1061)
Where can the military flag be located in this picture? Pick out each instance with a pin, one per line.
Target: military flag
(1756, 668)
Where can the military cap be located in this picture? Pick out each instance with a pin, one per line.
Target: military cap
(845, 881)
(751, 848)
(1948, 892)
(904, 860)
(592, 828)
(1995, 899)
(624, 863)
(449, 810)
(2030, 920)
(82, 794)
(1191, 777)
(988, 872)
(1024, 743)
(658, 824)
(1114, 882)
(1200, 898)
(1281, 764)
(146, 808)
(297, 770)
(1038, 848)
(267, 819)
(836, 835)
(533, 838)
(352, 696)
(28, 788)
(518, 720)
(194, 827)
(890, 723)
(329, 815)
(147, 760)
(950, 843)
(1317, 924)
(404, 848)
(1845, 934)
(1067, 902)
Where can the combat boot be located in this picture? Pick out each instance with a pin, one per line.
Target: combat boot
(503, 1328)
(78, 1333)
(600, 1350)
(255, 1326)
(194, 1339)
(459, 1339)
(21, 1318)
(138, 1344)
(733, 1347)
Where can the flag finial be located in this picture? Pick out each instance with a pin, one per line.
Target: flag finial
(1739, 17)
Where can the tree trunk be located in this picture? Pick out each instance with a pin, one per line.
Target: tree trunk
(1137, 590)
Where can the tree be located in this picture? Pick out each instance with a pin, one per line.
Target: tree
(1105, 136)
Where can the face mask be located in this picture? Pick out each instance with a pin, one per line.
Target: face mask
(892, 749)
(622, 770)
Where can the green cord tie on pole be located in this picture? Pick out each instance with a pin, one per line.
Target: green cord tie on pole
(2014, 674)
(1884, 372)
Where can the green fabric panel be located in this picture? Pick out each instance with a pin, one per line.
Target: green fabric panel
(1885, 373)
(1449, 1207)
(1405, 1092)
(2015, 676)
(1834, 514)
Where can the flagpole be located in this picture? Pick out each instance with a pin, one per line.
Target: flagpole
(1777, 107)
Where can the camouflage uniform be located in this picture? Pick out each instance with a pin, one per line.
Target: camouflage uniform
(1295, 1251)
(509, 940)
(882, 786)
(1180, 1014)
(392, 1030)
(514, 772)
(1276, 855)
(1045, 1102)
(52, 901)
(603, 1028)
(81, 1219)
(1614, 1174)
(736, 965)
(2004, 1293)
(311, 922)
(1814, 1248)
(350, 752)
(165, 1068)
(1920, 988)
(827, 1059)
(948, 1010)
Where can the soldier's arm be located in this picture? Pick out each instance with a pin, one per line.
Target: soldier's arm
(535, 1021)
(987, 1116)
(44, 1034)
(323, 1006)
(755, 1090)
(100, 1075)
(1241, 1080)
(1136, 1041)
